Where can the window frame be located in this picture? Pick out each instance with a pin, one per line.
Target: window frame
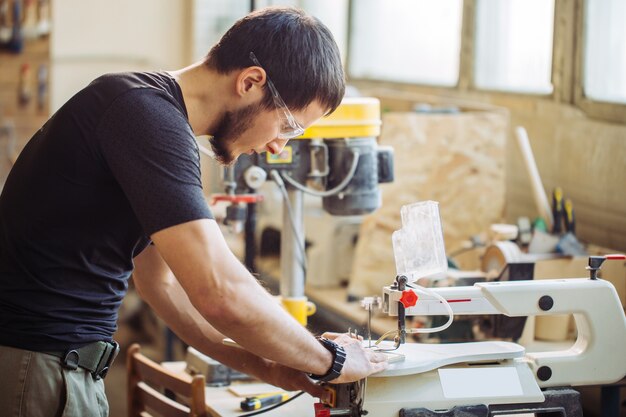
(465, 82)
(567, 64)
(603, 110)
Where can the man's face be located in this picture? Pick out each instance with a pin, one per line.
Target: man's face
(255, 129)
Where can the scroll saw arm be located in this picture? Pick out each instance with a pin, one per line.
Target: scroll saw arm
(596, 307)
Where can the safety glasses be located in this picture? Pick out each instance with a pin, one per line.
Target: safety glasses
(289, 126)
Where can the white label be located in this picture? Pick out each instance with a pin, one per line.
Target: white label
(480, 382)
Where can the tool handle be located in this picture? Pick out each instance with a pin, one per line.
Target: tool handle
(570, 220)
(557, 209)
(261, 401)
(539, 193)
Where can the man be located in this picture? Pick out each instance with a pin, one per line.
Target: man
(111, 186)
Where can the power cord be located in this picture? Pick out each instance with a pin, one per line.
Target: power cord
(413, 330)
(446, 305)
(333, 191)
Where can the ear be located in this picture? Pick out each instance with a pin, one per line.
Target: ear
(250, 81)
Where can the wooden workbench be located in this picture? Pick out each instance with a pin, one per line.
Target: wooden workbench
(222, 402)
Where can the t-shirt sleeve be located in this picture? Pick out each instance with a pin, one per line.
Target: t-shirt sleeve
(148, 145)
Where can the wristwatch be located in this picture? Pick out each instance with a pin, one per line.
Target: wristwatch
(339, 358)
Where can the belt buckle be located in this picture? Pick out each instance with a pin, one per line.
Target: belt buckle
(102, 373)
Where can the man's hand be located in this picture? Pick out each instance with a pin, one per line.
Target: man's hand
(333, 335)
(360, 362)
(293, 380)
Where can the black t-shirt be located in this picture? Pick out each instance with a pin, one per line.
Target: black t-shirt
(115, 164)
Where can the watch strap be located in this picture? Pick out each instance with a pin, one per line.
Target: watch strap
(339, 359)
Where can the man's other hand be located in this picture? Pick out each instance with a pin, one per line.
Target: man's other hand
(294, 380)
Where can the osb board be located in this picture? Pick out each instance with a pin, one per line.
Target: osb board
(583, 155)
(455, 159)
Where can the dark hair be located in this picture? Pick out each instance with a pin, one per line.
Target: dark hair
(296, 50)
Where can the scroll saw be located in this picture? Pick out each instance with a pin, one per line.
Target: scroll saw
(485, 374)
(492, 377)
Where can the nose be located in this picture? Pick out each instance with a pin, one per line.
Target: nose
(276, 146)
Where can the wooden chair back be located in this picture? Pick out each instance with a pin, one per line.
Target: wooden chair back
(143, 398)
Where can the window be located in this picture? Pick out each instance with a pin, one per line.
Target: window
(514, 45)
(212, 18)
(604, 72)
(415, 41)
(334, 14)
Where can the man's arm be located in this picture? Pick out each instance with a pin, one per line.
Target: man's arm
(226, 295)
(156, 284)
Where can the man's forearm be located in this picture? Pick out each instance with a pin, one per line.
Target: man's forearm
(170, 302)
(229, 297)
(260, 324)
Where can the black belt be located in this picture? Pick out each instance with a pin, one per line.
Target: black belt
(96, 357)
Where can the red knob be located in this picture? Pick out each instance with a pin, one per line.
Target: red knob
(408, 299)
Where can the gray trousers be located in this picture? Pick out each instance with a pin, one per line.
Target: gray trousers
(34, 384)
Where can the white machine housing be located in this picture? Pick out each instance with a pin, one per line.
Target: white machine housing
(443, 376)
(596, 307)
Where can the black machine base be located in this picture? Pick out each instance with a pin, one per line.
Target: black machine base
(561, 402)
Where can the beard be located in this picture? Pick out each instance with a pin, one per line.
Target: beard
(232, 125)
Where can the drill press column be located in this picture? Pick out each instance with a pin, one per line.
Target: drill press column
(292, 257)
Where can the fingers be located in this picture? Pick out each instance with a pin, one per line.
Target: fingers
(322, 393)
(376, 357)
(334, 335)
(379, 367)
(316, 391)
(300, 381)
(344, 339)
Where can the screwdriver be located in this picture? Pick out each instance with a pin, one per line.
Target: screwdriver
(570, 220)
(263, 400)
(557, 209)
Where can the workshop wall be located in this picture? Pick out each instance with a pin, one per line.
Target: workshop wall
(24, 98)
(95, 37)
(89, 38)
(584, 156)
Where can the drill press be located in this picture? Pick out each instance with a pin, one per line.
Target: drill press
(337, 159)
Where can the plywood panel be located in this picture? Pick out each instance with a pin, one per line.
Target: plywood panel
(455, 159)
(586, 157)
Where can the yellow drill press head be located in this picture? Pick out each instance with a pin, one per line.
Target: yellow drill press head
(355, 117)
